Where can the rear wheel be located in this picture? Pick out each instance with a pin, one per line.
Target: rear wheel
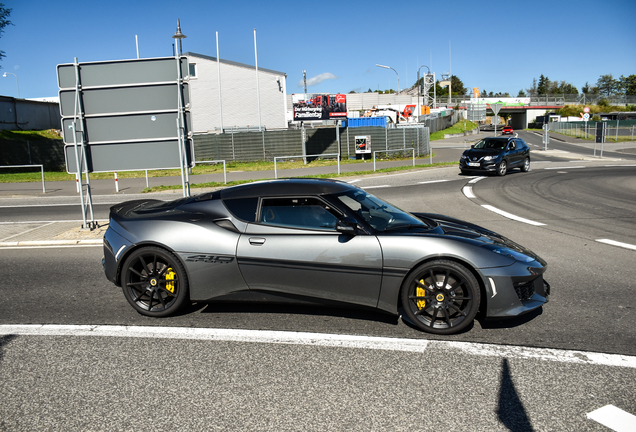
(526, 165)
(502, 168)
(441, 297)
(154, 282)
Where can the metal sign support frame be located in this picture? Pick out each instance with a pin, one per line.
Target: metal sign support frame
(80, 155)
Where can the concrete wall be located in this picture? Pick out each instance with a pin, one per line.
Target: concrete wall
(22, 114)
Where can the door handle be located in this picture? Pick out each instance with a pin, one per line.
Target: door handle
(257, 241)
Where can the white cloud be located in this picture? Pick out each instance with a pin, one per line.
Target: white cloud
(317, 79)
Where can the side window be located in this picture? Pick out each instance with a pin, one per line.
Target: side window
(243, 208)
(310, 213)
(192, 70)
(512, 145)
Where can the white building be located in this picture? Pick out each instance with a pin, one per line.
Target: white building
(236, 105)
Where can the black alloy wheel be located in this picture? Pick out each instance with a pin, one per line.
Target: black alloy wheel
(502, 168)
(154, 282)
(441, 297)
(526, 165)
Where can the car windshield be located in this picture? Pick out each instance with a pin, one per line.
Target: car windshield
(491, 144)
(380, 215)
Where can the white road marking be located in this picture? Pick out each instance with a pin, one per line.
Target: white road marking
(24, 232)
(354, 181)
(3, 247)
(468, 192)
(619, 244)
(375, 187)
(322, 339)
(475, 180)
(47, 222)
(614, 418)
(569, 167)
(433, 181)
(511, 216)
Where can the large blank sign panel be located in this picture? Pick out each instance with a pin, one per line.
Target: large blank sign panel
(128, 111)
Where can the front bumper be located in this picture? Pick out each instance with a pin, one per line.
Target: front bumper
(490, 165)
(515, 290)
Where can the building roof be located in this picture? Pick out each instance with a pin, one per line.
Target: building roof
(233, 63)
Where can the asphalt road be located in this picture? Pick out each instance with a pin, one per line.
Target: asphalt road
(487, 378)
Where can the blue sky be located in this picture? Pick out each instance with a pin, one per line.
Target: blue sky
(496, 46)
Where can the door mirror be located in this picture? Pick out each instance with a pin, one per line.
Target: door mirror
(347, 225)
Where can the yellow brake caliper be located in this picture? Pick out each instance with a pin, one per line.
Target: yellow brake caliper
(420, 292)
(170, 274)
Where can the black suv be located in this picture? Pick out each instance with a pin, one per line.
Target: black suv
(496, 154)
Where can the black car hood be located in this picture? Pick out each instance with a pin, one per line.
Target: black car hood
(479, 153)
(459, 228)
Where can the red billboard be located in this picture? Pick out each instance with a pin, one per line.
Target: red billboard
(319, 106)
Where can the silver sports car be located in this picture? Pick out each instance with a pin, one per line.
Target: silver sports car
(322, 240)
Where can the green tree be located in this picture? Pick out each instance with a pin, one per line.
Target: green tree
(628, 85)
(544, 85)
(521, 93)
(4, 21)
(607, 85)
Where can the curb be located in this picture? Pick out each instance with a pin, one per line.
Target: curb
(52, 243)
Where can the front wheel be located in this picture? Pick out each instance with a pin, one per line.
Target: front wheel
(502, 168)
(526, 165)
(441, 297)
(154, 282)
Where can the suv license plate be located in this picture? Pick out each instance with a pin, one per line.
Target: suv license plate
(475, 164)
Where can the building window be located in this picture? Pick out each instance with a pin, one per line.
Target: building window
(192, 70)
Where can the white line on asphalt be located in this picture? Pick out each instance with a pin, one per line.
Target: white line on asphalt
(613, 166)
(354, 181)
(322, 339)
(468, 192)
(3, 247)
(568, 167)
(24, 232)
(511, 216)
(615, 243)
(475, 180)
(375, 187)
(433, 181)
(46, 222)
(614, 418)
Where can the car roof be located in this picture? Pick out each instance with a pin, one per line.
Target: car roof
(286, 187)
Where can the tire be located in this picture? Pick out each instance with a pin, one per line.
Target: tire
(441, 297)
(154, 282)
(526, 165)
(502, 168)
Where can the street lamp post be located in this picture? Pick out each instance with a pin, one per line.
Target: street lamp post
(398, 75)
(419, 90)
(16, 80)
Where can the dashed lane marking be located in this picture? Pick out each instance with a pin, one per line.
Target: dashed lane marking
(619, 244)
(511, 216)
(614, 418)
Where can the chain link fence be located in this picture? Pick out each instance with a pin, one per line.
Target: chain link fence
(615, 130)
(265, 145)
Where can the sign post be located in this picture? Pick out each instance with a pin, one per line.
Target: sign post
(495, 109)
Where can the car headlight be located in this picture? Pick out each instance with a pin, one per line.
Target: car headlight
(489, 157)
(464, 157)
(517, 256)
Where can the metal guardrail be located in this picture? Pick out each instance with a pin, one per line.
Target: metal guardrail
(29, 166)
(394, 150)
(216, 161)
(304, 156)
